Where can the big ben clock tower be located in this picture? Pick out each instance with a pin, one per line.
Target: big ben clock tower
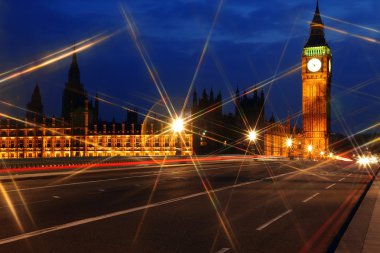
(316, 79)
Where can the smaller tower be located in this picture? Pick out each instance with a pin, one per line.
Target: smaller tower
(35, 107)
(194, 107)
(96, 112)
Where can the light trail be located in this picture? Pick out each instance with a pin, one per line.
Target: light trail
(57, 58)
(53, 54)
(11, 207)
(368, 39)
(352, 24)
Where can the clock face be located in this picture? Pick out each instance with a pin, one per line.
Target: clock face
(314, 65)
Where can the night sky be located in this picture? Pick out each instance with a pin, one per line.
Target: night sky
(252, 41)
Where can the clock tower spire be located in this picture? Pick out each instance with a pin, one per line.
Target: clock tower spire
(316, 79)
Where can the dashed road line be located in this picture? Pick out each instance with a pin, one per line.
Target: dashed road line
(132, 210)
(331, 185)
(223, 250)
(56, 197)
(273, 220)
(340, 180)
(349, 174)
(310, 198)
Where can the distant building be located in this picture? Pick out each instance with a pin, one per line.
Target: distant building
(215, 132)
(79, 133)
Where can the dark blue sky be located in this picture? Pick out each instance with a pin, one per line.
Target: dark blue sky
(252, 40)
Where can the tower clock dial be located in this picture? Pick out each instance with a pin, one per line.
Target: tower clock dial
(314, 65)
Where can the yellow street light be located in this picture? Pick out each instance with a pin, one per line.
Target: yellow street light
(178, 125)
(289, 142)
(309, 148)
(252, 135)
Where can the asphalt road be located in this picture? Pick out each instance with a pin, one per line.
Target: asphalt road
(229, 206)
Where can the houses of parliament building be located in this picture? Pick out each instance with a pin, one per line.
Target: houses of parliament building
(79, 133)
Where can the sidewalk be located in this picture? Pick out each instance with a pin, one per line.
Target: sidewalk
(363, 233)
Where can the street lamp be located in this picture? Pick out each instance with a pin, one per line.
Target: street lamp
(289, 143)
(252, 135)
(309, 149)
(177, 125)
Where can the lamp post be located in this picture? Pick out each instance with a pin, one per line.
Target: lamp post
(177, 127)
(252, 137)
(289, 143)
(309, 149)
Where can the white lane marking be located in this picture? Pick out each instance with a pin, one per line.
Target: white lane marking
(56, 197)
(223, 250)
(274, 220)
(340, 180)
(349, 174)
(123, 212)
(331, 185)
(101, 190)
(310, 198)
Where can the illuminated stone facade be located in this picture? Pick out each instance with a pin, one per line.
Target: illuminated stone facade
(53, 139)
(316, 78)
(275, 138)
(313, 140)
(79, 133)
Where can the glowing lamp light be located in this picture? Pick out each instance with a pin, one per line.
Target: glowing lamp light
(178, 125)
(331, 155)
(373, 159)
(309, 148)
(289, 142)
(322, 153)
(364, 160)
(252, 135)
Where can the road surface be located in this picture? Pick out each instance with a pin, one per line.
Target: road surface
(226, 206)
